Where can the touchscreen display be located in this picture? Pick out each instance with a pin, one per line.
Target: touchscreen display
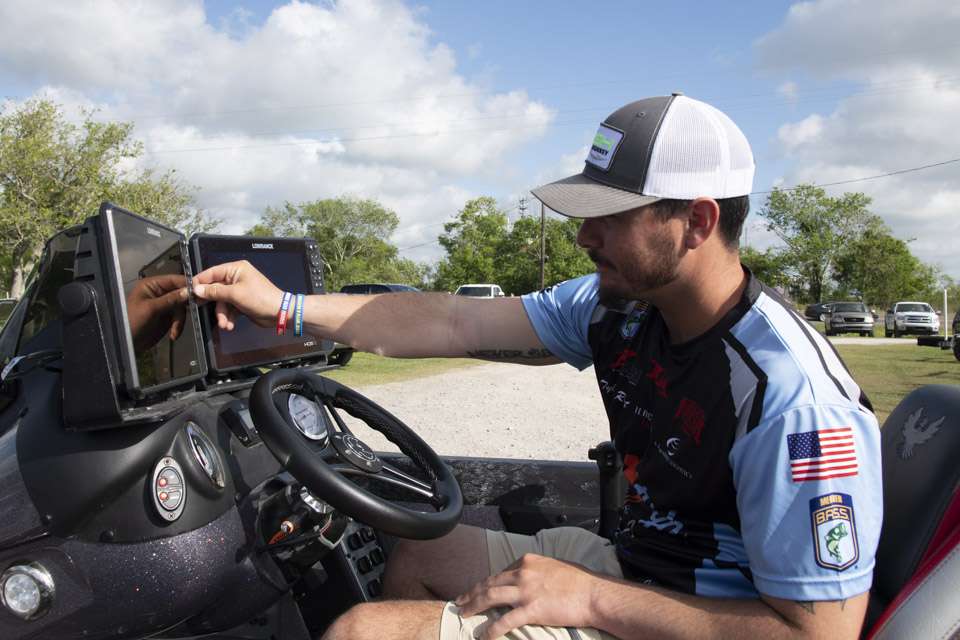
(162, 332)
(284, 263)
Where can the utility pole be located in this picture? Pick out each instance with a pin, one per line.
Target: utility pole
(523, 206)
(543, 244)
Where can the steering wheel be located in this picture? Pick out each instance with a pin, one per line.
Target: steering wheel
(325, 471)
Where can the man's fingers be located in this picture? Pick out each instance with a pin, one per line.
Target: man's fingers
(216, 291)
(225, 272)
(498, 596)
(506, 623)
(222, 311)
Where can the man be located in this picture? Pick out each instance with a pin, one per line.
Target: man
(752, 458)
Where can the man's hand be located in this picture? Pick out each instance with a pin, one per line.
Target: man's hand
(540, 590)
(238, 286)
(156, 306)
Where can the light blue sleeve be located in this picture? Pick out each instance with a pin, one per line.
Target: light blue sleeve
(561, 315)
(810, 535)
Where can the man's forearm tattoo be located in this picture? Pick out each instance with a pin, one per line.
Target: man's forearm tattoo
(808, 606)
(515, 355)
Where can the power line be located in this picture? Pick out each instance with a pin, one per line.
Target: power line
(880, 175)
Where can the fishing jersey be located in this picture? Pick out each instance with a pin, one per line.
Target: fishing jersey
(751, 456)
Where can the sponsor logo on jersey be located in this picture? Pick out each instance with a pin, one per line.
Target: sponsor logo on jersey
(673, 445)
(659, 376)
(691, 418)
(834, 531)
(667, 454)
(822, 454)
(631, 324)
(916, 430)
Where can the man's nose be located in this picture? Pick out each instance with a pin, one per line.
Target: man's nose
(588, 236)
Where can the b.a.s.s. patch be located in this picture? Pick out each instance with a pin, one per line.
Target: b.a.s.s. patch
(834, 531)
(631, 324)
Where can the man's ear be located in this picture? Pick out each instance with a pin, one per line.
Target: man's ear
(702, 219)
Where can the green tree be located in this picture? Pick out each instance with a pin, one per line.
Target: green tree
(881, 269)
(351, 234)
(472, 243)
(768, 266)
(815, 230)
(53, 174)
(519, 254)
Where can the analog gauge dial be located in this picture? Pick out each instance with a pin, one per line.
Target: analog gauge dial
(307, 417)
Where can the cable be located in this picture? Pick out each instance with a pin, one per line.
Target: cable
(881, 175)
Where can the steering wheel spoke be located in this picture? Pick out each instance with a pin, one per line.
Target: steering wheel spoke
(332, 410)
(334, 473)
(403, 480)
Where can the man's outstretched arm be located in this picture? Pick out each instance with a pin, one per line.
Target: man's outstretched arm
(400, 325)
(550, 592)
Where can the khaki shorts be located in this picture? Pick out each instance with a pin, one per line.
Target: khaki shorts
(571, 544)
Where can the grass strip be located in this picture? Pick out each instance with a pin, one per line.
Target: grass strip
(367, 369)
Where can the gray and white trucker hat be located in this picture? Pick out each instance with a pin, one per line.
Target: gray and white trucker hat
(664, 147)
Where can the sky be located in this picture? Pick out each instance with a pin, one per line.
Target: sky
(424, 105)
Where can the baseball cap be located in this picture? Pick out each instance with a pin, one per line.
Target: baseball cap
(663, 147)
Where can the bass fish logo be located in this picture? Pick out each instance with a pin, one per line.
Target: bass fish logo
(631, 324)
(834, 531)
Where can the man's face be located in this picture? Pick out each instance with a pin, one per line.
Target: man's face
(635, 253)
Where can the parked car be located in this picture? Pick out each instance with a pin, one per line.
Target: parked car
(905, 318)
(848, 317)
(376, 287)
(480, 291)
(817, 310)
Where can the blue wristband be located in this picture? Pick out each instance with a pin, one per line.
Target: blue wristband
(298, 315)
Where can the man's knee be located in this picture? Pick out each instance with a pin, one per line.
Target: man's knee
(353, 625)
(399, 620)
(438, 569)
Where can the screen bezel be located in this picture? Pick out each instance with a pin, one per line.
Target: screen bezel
(201, 246)
(128, 364)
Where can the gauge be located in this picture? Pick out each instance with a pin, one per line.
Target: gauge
(308, 417)
(205, 454)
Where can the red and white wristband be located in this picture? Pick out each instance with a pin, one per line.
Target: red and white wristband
(282, 314)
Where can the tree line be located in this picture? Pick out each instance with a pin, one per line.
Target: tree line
(54, 173)
(835, 248)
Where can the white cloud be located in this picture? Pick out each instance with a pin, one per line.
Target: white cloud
(788, 90)
(904, 112)
(793, 135)
(320, 100)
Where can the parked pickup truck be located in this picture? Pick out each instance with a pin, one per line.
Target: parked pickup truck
(848, 317)
(905, 318)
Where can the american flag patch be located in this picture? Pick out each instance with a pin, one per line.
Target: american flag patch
(822, 454)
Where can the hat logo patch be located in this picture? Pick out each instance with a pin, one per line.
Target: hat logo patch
(604, 147)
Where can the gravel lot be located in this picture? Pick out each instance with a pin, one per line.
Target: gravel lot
(509, 410)
(498, 410)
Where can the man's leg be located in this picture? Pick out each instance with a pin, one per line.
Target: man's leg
(397, 620)
(439, 569)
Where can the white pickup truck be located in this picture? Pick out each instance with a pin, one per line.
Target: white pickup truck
(911, 318)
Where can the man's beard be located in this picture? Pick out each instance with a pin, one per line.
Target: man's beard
(653, 270)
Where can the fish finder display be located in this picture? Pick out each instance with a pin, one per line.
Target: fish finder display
(286, 262)
(161, 338)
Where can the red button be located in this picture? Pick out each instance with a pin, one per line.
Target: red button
(163, 496)
(162, 482)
